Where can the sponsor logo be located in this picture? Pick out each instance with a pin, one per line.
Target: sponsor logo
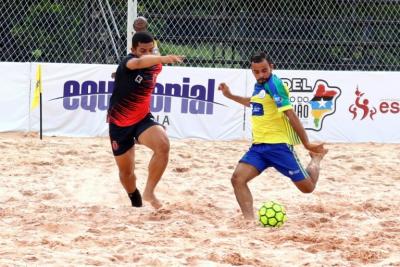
(139, 79)
(257, 109)
(294, 172)
(194, 99)
(363, 109)
(362, 104)
(312, 104)
(88, 95)
(95, 96)
(277, 99)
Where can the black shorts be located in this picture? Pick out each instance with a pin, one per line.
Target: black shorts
(123, 138)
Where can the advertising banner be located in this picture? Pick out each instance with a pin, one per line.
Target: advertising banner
(333, 106)
(14, 90)
(75, 99)
(186, 101)
(343, 106)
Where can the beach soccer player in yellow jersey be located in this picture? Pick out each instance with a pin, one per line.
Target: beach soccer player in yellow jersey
(275, 128)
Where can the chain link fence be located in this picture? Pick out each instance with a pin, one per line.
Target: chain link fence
(67, 31)
(313, 35)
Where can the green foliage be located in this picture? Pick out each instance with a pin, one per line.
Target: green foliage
(47, 40)
(297, 34)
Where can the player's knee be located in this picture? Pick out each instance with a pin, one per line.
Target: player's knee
(126, 173)
(237, 180)
(305, 186)
(163, 147)
(307, 189)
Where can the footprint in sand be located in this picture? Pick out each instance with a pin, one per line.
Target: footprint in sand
(188, 192)
(94, 231)
(234, 259)
(192, 260)
(185, 156)
(69, 152)
(160, 215)
(340, 157)
(181, 169)
(117, 258)
(357, 168)
(27, 193)
(31, 258)
(316, 208)
(364, 256)
(48, 196)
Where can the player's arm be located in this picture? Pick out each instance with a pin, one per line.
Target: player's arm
(283, 104)
(301, 132)
(228, 94)
(151, 60)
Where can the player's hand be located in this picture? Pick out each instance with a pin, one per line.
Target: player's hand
(170, 59)
(224, 89)
(316, 148)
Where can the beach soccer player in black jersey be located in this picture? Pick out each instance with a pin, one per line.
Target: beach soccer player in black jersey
(140, 24)
(130, 119)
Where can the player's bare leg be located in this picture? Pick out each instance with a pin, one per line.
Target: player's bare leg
(241, 176)
(126, 167)
(313, 169)
(156, 139)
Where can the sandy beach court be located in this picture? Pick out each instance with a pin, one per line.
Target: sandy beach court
(61, 204)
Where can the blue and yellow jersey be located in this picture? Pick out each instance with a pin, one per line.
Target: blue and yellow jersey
(269, 123)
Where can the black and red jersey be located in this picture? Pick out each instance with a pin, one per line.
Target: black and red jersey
(130, 100)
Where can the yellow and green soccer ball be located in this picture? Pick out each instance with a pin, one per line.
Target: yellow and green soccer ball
(272, 214)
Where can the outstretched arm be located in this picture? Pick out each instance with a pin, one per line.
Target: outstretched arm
(299, 129)
(151, 60)
(227, 93)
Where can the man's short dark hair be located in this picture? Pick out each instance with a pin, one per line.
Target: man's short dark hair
(259, 57)
(141, 37)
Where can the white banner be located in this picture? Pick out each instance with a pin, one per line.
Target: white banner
(368, 109)
(333, 110)
(14, 91)
(186, 101)
(334, 106)
(75, 99)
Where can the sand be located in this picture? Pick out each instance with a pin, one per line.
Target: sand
(61, 204)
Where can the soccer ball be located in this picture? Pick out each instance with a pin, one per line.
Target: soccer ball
(272, 214)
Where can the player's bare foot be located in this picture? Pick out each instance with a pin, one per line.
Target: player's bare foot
(152, 200)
